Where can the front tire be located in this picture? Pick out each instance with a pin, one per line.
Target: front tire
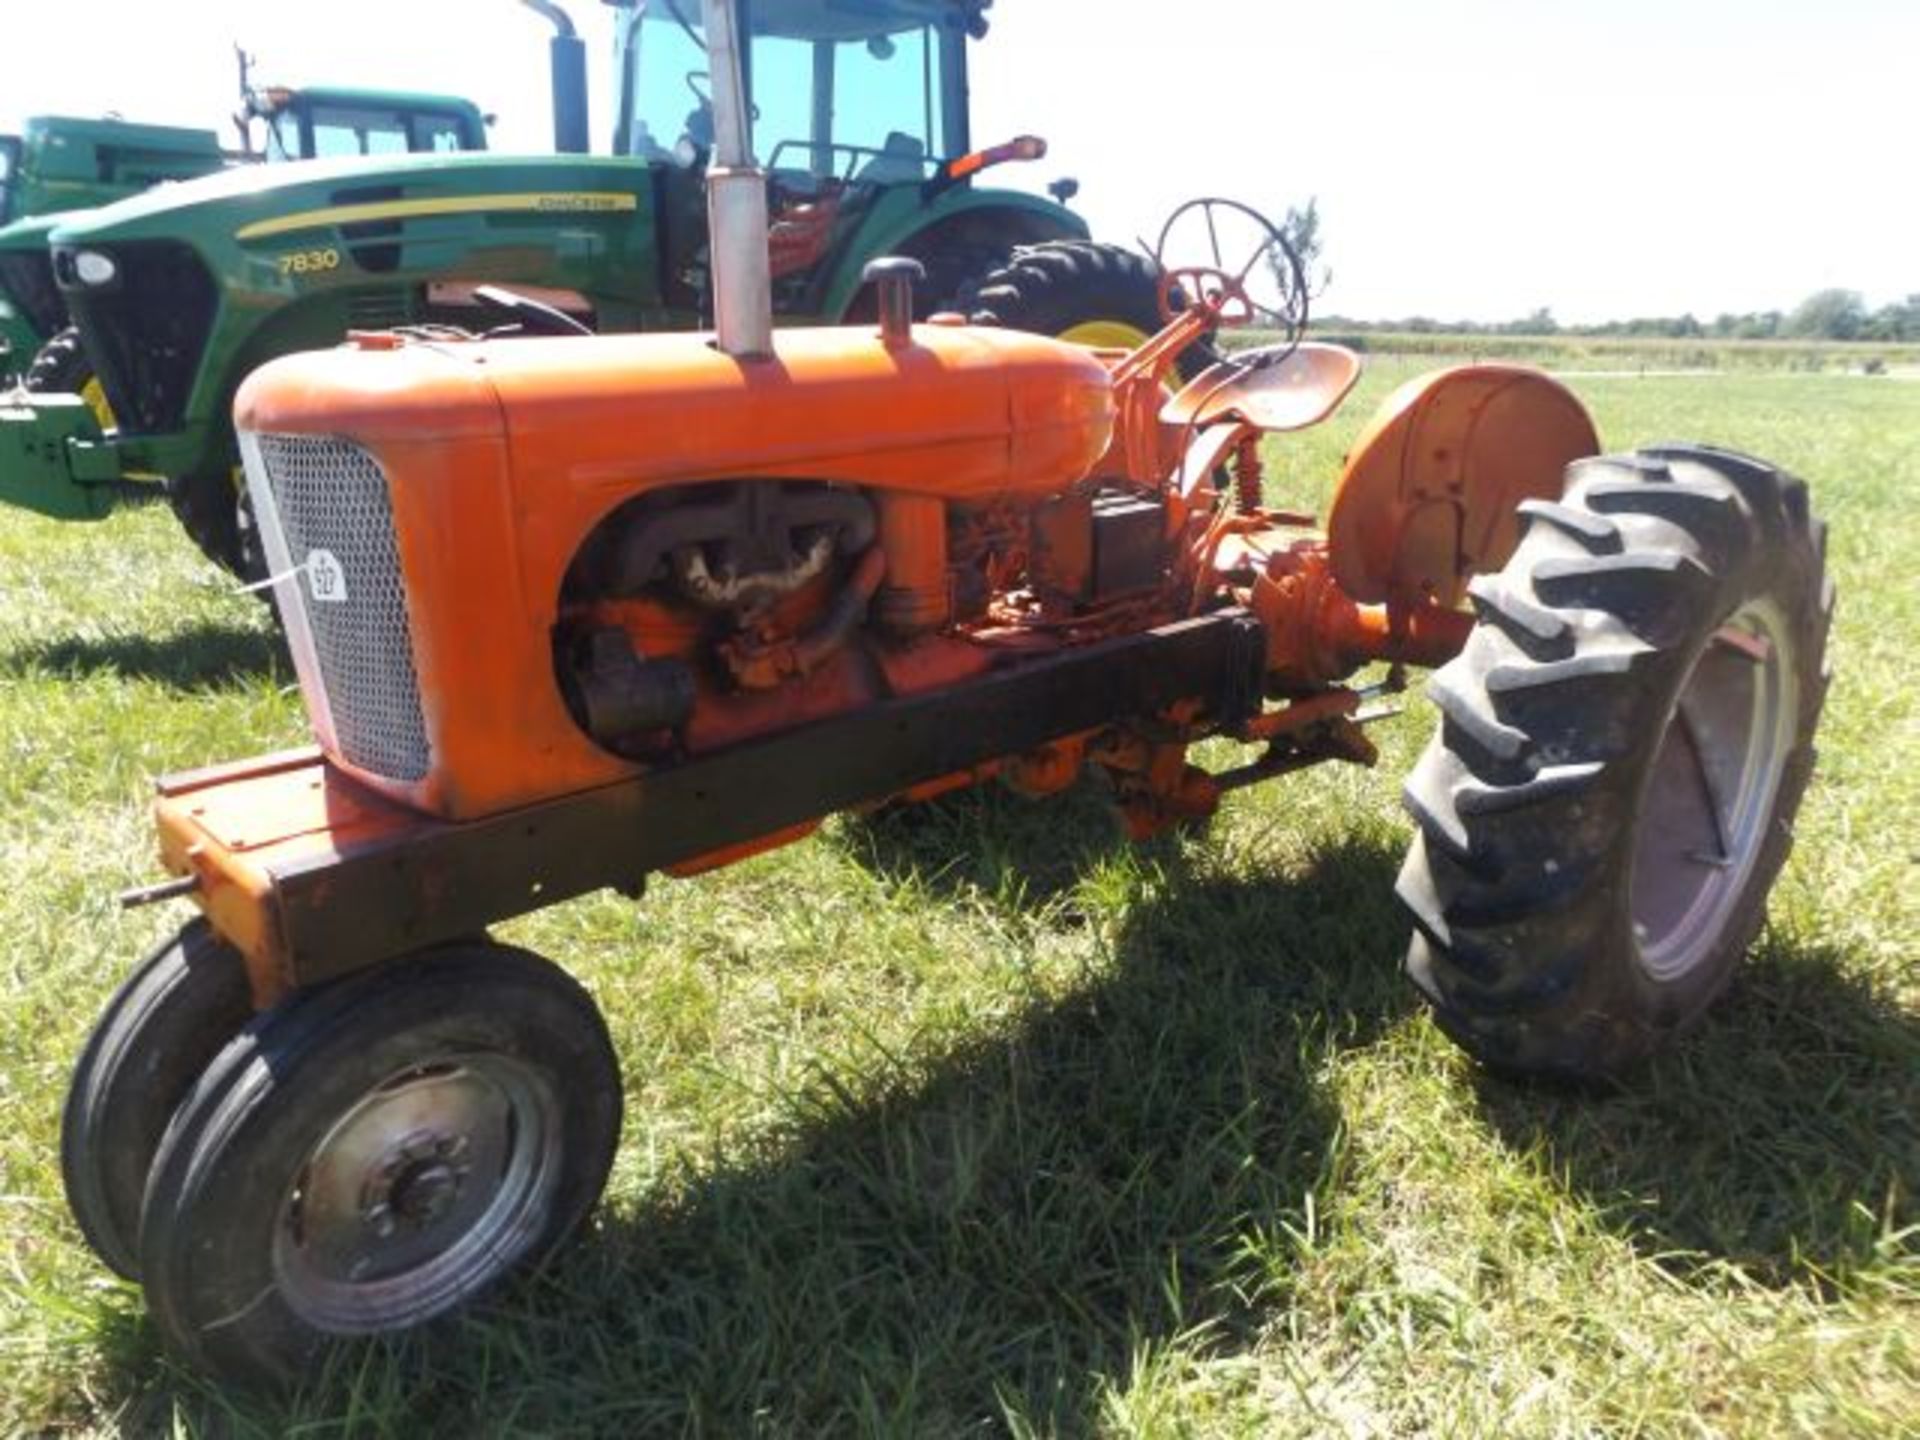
(374, 1153)
(1624, 744)
(159, 1032)
(213, 508)
(61, 367)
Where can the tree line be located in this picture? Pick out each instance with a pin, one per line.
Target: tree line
(1832, 314)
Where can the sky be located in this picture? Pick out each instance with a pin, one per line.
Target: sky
(1472, 159)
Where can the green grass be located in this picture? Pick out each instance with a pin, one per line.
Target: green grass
(976, 1120)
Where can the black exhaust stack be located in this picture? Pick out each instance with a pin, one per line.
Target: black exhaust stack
(569, 53)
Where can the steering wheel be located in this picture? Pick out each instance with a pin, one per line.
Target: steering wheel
(697, 78)
(1227, 290)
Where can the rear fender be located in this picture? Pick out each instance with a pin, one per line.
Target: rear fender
(1430, 492)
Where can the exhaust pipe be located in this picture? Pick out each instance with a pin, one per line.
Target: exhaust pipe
(736, 200)
(569, 61)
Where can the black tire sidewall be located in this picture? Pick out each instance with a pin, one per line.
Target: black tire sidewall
(1054, 287)
(1521, 883)
(165, 1024)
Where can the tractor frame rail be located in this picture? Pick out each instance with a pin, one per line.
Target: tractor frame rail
(312, 875)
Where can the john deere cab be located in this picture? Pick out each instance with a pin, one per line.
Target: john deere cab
(329, 122)
(861, 118)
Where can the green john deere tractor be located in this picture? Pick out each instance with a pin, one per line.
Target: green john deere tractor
(59, 165)
(860, 113)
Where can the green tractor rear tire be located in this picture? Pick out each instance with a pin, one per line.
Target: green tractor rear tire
(1624, 743)
(1079, 290)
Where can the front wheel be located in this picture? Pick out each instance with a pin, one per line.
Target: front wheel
(1623, 745)
(212, 506)
(374, 1153)
(62, 367)
(160, 1031)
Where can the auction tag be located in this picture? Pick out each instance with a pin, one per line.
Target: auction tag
(326, 577)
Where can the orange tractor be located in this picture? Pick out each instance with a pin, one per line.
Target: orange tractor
(569, 612)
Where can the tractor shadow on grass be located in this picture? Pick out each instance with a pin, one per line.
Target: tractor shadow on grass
(201, 657)
(1781, 1135)
(990, 845)
(1000, 1229)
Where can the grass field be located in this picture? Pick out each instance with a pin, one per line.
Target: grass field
(974, 1120)
(1629, 354)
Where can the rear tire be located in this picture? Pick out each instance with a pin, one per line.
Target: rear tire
(1108, 295)
(1624, 743)
(374, 1153)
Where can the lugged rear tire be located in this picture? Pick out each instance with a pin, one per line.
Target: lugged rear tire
(1624, 743)
(1079, 289)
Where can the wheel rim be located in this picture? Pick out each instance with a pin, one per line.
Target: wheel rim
(1105, 335)
(1710, 796)
(428, 1187)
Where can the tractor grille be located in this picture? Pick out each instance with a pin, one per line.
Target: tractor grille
(28, 281)
(145, 332)
(336, 525)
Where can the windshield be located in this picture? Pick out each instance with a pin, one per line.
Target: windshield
(869, 90)
(9, 163)
(328, 131)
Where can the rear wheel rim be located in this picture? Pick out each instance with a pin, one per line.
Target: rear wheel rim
(1105, 335)
(426, 1188)
(1710, 796)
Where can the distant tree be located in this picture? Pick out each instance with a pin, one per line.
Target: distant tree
(1301, 227)
(1898, 321)
(1829, 315)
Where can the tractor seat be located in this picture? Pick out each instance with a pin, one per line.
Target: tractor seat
(901, 161)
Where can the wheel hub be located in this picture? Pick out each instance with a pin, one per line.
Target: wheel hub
(1710, 796)
(420, 1192)
(417, 1182)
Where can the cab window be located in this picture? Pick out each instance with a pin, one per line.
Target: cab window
(438, 134)
(338, 131)
(671, 88)
(866, 107)
(854, 90)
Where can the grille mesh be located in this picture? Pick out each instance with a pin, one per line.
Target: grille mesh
(332, 497)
